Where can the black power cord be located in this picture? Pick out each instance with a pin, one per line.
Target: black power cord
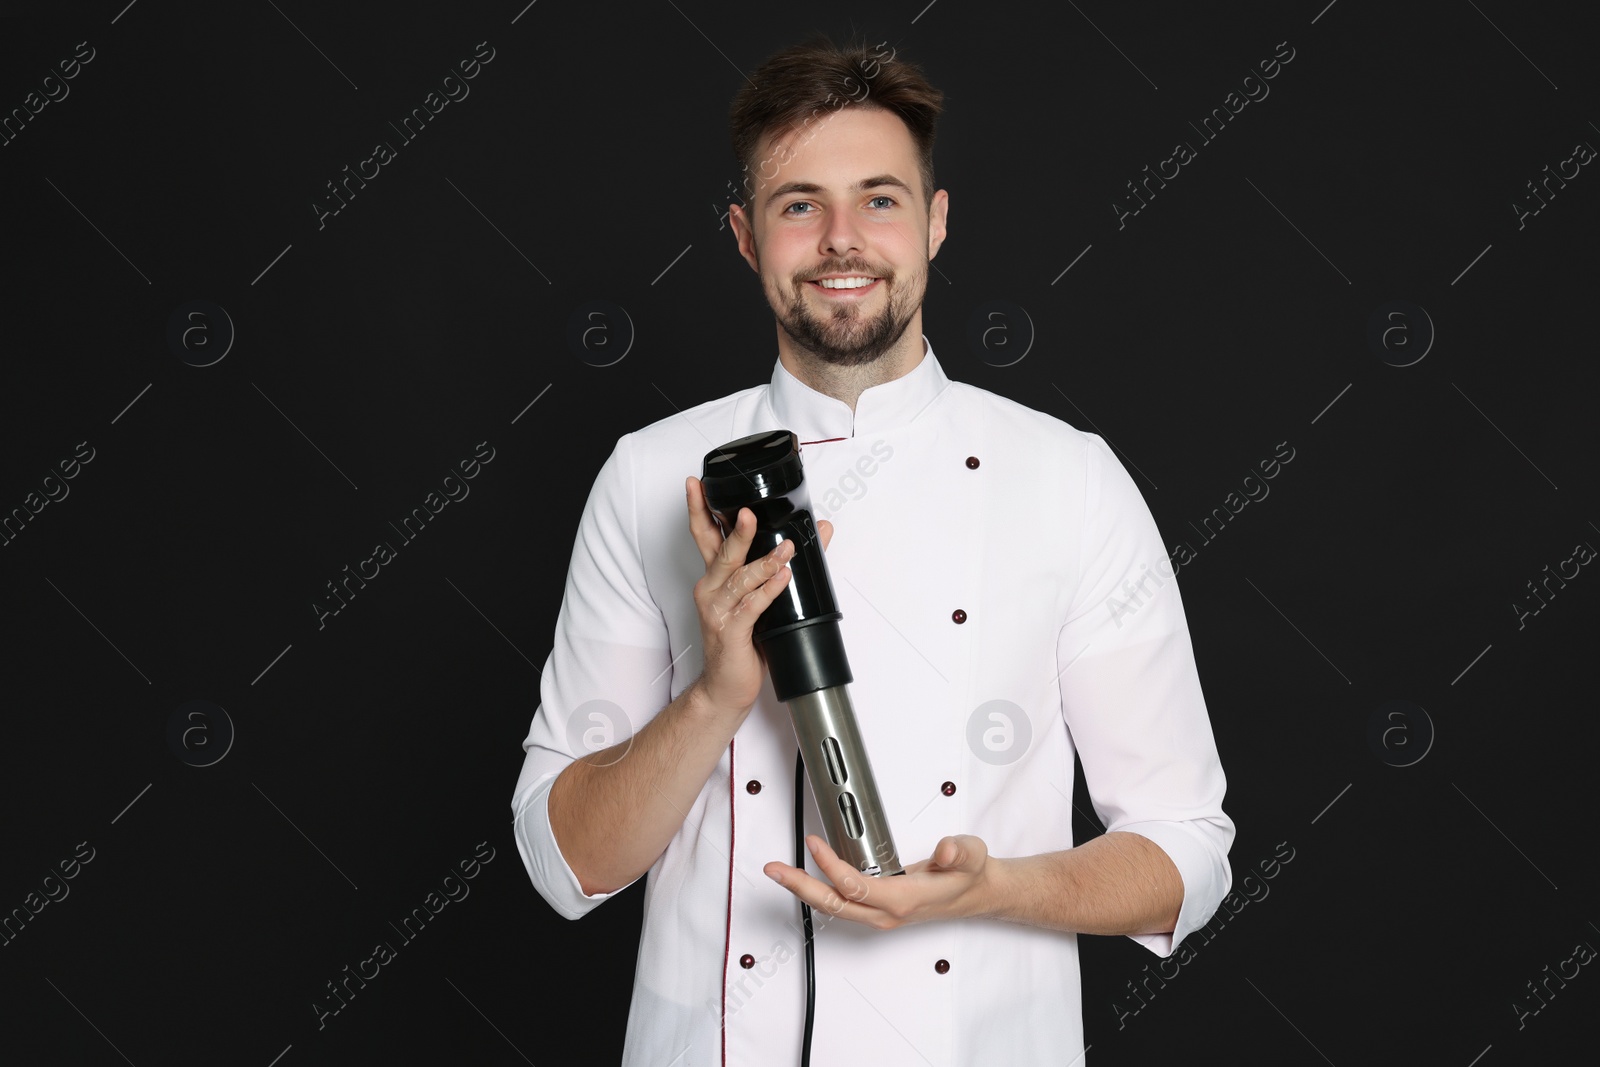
(805, 909)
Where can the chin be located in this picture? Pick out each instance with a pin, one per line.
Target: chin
(839, 351)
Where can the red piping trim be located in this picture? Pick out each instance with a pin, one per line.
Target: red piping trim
(824, 441)
(727, 932)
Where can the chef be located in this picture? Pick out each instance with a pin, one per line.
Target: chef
(1009, 611)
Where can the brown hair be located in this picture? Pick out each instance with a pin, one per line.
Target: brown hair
(794, 85)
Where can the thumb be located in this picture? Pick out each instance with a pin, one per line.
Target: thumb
(825, 532)
(963, 852)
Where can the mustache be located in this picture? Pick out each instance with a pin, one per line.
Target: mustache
(849, 268)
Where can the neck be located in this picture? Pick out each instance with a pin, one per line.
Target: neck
(847, 383)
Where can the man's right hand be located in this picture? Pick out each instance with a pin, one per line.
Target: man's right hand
(730, 597)
(612, 817)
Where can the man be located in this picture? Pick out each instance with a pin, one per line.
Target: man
(1008, 607)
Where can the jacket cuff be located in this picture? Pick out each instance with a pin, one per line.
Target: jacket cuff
(548, 868)
(1206, 876)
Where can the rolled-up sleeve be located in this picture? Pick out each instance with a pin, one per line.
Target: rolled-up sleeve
(1132, 700)
(607, 674)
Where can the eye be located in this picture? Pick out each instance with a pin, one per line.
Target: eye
(881, 196)
(798, 203)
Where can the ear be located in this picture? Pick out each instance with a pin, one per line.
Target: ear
(938, 214)
(744, 236)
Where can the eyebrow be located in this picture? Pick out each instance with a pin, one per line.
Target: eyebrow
(861, 186)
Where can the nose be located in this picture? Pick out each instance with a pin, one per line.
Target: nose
(843, 237)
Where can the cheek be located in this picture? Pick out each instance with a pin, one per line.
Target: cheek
(780, 262)
(780, 286)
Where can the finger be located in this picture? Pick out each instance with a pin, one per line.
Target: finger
(825, 532)
(961, 852)
(821, 896)
(849, 881)
(756, 585)
(735, 547)
(707, 537)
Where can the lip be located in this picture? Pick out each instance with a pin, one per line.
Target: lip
(846, 294)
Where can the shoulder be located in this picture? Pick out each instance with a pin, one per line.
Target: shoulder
(644, 474)
(1051, 438)
(692, 431)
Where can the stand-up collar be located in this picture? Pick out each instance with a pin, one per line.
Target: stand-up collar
(815, 416)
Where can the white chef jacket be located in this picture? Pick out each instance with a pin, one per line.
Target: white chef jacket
(1008, 607)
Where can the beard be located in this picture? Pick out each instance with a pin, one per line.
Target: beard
(847, 335)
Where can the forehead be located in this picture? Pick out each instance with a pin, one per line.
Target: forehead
(838, 147)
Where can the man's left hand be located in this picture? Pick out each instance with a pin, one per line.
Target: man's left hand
(956, 882)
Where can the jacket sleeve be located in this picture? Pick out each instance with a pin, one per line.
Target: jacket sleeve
(606, 675)
(1131, 695)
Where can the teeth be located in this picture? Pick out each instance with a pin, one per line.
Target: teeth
(845, 283)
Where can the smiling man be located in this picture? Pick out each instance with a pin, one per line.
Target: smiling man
(842, 316)
(973, 574)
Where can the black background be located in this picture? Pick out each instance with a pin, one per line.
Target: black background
(591, 161)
